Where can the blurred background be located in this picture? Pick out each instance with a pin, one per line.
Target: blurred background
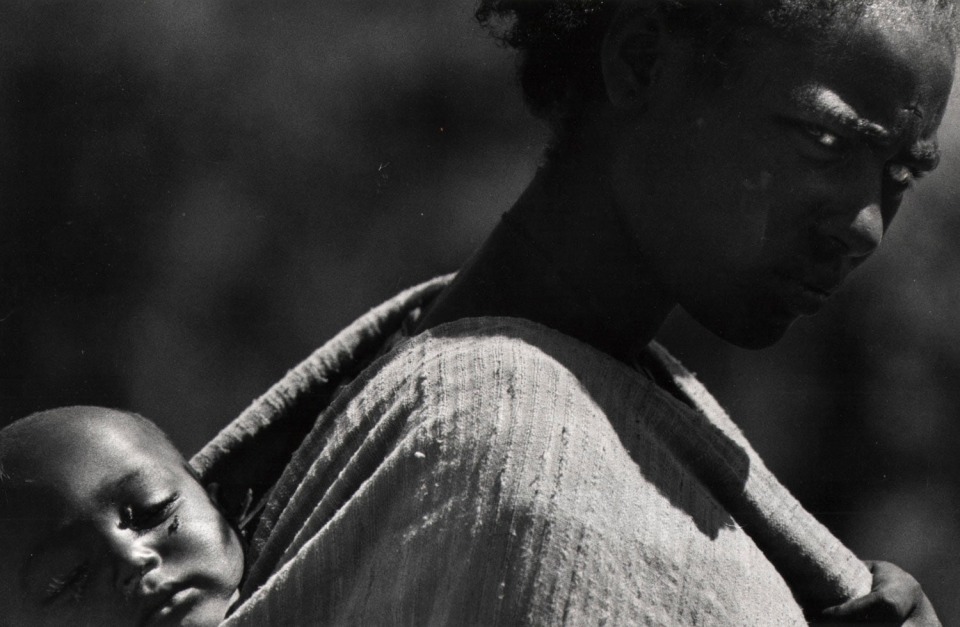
(196, 194)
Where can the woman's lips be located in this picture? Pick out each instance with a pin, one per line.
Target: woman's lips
(805, 296)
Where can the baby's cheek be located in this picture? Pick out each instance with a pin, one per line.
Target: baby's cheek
(223, 552)
(225, 566)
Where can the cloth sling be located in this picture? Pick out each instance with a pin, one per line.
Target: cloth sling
(493, 471)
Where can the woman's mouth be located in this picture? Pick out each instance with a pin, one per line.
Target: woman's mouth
(805, 296)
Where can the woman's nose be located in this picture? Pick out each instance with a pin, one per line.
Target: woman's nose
(855, 224)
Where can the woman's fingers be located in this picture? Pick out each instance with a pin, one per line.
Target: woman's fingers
(862, 607)
(896, 597)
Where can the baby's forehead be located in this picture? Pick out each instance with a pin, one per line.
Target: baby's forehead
(88, 441)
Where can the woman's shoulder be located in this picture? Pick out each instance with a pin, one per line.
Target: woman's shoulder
(508, 346)
(491, 371)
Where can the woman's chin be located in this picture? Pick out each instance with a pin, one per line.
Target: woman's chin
(752, 333)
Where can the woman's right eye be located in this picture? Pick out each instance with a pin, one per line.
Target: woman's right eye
(822, 137)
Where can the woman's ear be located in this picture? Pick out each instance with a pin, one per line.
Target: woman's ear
(630, 56)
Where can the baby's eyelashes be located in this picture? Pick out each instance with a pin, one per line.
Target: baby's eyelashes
(144, 518)
(71, 583)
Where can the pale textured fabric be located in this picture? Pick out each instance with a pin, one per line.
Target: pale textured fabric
(474, 476)
(496, 472)
(820, 569)
(247, 450)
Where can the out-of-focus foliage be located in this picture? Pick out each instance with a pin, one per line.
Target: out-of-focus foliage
(196, 194)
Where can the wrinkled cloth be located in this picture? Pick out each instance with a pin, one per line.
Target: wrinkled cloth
(493, 471)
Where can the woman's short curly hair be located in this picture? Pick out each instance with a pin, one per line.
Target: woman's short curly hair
(559, 40)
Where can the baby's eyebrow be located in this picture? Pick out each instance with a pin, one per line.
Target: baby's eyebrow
(106, 492)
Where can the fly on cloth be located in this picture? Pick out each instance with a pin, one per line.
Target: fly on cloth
(494, 471)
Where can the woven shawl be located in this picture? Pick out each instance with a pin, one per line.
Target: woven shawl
(493, 471)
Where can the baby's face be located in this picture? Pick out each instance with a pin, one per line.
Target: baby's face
(101, 524)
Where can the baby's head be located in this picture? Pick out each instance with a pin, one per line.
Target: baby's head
(102, 522)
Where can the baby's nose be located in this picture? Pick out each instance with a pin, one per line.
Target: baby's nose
(135, 582)
(136, 569)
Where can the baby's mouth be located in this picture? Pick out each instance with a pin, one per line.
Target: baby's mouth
(168, 601)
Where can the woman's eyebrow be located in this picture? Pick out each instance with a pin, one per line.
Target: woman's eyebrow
(826, 104)
(871, 132)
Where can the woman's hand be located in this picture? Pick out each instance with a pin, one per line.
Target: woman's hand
(896, 598)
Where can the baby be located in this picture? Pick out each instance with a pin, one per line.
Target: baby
(102, 522)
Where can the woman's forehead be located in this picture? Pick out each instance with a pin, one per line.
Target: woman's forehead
(895, 68)
(884, 79)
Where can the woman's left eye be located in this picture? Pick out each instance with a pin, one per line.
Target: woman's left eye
(143, 518)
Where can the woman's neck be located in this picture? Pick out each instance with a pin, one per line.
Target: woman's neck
(560, 257)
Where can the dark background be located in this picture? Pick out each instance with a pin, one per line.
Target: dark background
(196, 194)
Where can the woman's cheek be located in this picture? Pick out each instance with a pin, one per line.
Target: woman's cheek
(756, 211)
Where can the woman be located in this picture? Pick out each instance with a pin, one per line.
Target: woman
(509, 446)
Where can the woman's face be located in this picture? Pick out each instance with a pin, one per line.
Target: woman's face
(753, 200)
(104, 525)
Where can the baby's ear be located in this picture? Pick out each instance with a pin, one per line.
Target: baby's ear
(215, 496)
(212, 488)
(213, 491)
(239, 513)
